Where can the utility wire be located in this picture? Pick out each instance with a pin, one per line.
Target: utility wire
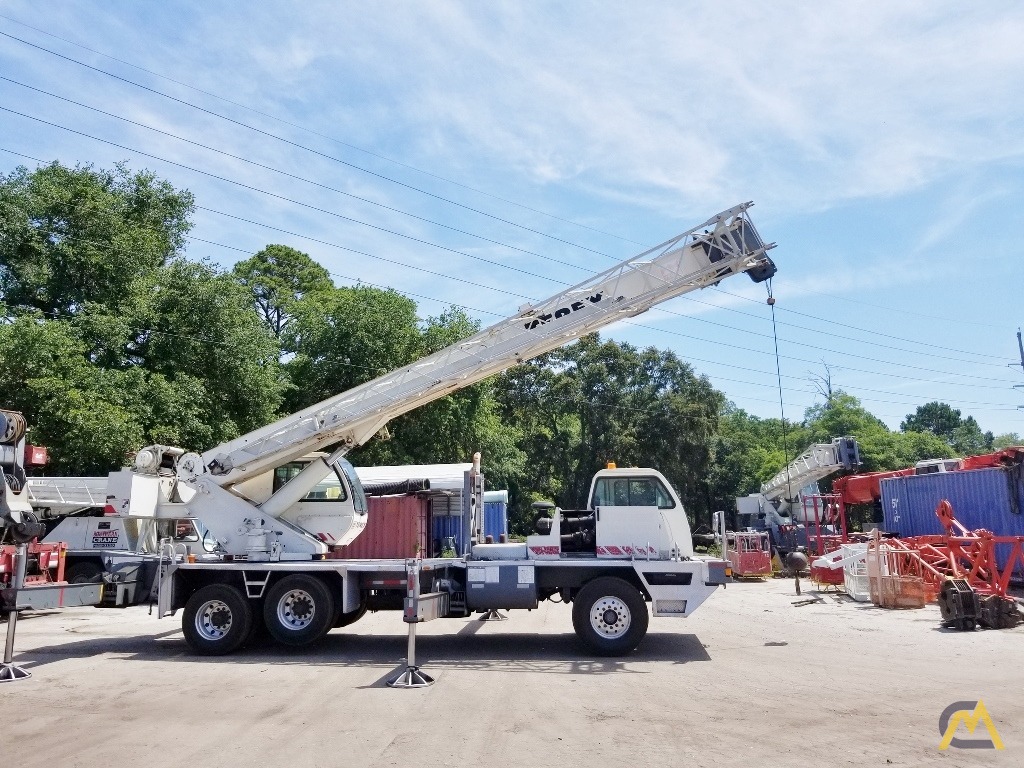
(850, 327)
(305, 148)
(274, 136)
(303, 179)
(999, 406)
(415, 239)
(325, 136)
(284, 198)
(531, 299)
(875, 306)
(455, 229)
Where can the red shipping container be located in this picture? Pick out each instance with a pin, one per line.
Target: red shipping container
(398, 527)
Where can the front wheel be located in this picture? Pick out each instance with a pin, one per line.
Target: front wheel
(216, 620)
(299, 610)
(610, 616)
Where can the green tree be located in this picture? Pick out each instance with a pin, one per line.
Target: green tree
(964, 435)
(343, 337)
(749, 450)
(278, 277)
(113, 342)
(1006, 440)
(592, 402)
(935, 417)
(880, 449)
(71, 236)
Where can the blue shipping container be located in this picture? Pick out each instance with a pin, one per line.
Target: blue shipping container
(495, 519)
(981, 498)
(495, 523)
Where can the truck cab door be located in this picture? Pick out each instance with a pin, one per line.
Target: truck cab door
(630, 520)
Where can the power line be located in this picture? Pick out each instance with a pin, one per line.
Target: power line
(517, 295)
(947, 319)
(305, 148)
(303, 179)
(325, 136)
(875, 306)
(688, 357)
(419, 240)
(471, 234)
(838, 352)
(851, 327)
(384, 177)
(286, 199)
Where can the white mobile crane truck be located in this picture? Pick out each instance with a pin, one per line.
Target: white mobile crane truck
(779, 509)
(631, 547)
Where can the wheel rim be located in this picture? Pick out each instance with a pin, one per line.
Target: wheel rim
(296, 609)
(214, 620)
(610, 617)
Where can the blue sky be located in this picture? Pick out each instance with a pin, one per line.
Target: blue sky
(883, 145)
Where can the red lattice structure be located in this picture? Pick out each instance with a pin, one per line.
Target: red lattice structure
(914, 569)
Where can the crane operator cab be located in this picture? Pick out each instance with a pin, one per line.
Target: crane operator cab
(314, 495)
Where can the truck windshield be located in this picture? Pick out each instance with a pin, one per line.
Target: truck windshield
(358, 497)
(631, 492)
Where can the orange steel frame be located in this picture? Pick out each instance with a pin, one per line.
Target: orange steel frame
(959, 554)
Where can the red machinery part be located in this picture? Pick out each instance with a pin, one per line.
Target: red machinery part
(865, 489)
(46, 563)
(1005, 457)
(36, 456)
(958, 554)
(750, 555)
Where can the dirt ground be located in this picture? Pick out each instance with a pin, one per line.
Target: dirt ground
(749, 680)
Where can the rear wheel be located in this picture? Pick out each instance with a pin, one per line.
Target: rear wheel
(610, 616)
(216, 620)
(299, 610)
(83, 573)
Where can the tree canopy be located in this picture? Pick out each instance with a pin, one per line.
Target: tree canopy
(113, 339)
(279, 277)
(942, 420)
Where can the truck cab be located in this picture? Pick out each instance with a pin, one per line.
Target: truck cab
(631, 512)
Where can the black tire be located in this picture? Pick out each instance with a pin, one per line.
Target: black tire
(83, 573)
(258, 634)
(347, 619)
(610, 616)
(299, 610)
(216, 620)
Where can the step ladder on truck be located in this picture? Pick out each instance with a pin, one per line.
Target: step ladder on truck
(609, 561)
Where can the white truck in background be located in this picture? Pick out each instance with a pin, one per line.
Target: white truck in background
(631, 546)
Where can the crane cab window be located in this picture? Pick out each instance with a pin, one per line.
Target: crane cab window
(631, 492)
(329, 489)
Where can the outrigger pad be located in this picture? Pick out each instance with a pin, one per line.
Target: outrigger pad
(9, 673)
(411, 678)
